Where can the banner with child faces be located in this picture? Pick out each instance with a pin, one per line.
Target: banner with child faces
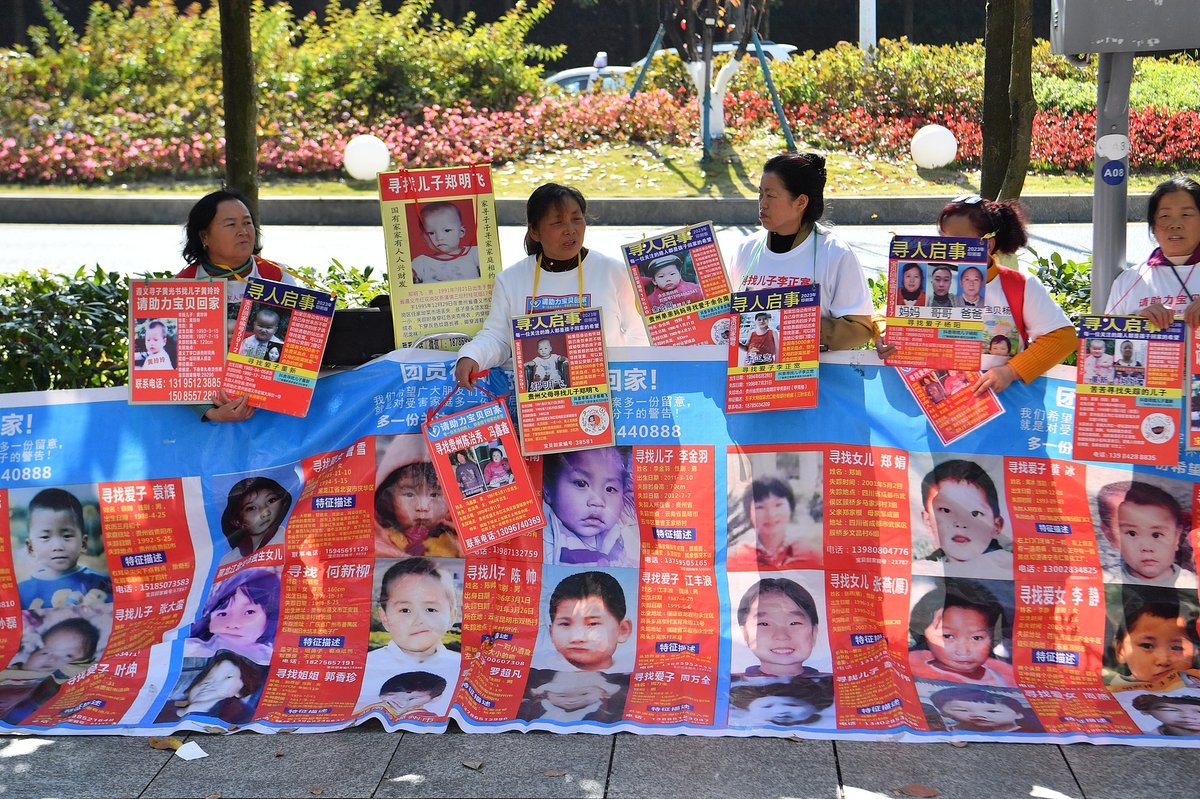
(818, 573)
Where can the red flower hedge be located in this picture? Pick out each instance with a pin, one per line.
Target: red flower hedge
(461, 133)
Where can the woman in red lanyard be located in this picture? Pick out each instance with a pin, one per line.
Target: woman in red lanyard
(559, 273)
(794, 250)
(1168, 284)
(223, 241)
(1022, 320)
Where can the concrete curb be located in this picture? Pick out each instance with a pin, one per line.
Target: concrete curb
(353, 211)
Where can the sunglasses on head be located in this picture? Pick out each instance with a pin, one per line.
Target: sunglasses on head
(967, 199)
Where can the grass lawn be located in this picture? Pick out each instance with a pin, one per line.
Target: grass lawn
(645, 170)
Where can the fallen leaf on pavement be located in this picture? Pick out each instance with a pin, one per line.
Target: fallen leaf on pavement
(213, 796)
(164, 742)
(279, 753)
(474, 765)
(315, 791)
(916, 789)
(553, 772)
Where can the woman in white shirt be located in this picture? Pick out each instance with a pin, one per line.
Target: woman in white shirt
(794, 250)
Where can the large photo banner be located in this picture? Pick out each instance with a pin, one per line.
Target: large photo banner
(834, 572)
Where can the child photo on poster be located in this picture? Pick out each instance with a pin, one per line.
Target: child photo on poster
(156, 347)
(967, 708)
(776, 625)
(589, 620)
(416, 606)
(960, 631)
(775, 510)
(1143, 527)
(798, 702)
(1099, 366)
(264, 337)
(58, 547)
(1150, 636)
(412, 516)
(255, 509)
(446, 251)
(758, 338)
(588, 499)
(671, 282)
(959, 526)
(546, 365)
(567, 696)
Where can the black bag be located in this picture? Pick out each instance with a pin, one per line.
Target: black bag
(359, 334)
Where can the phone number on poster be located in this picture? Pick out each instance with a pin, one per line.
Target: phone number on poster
(648, 431)
(26, 473)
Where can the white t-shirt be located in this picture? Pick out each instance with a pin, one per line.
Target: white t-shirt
(1042, 315)
(1144, 285)
(833, 265)
(386, 662)
(605, 284)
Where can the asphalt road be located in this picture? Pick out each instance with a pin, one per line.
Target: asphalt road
(136, 249)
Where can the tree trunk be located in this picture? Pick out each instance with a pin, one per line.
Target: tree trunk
(1020, 96)
(241, 107)
(997, 108)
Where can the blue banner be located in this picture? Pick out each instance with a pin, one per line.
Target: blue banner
(833, 572)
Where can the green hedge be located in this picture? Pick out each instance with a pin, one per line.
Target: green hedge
(906, 78)
(151, 70)
(69, 331)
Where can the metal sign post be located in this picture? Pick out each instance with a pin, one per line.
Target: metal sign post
(1117, 30)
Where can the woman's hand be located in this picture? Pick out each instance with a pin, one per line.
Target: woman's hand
(997, 379)
(883, 349)
(1162, 316)
(1191, 314)
(464, 372)
(229, 409)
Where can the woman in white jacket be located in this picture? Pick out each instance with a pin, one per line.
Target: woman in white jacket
(559, 273)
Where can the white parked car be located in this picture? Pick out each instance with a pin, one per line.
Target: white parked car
(584, 79)
(773, 51)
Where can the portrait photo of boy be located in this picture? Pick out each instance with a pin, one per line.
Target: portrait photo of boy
(588, 622)
(57, 547)
(448, 252)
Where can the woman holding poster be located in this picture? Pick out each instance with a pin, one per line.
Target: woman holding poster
(1014, 301)
(223, 240)
(1165, 287)
(794, 250)
(558, 274)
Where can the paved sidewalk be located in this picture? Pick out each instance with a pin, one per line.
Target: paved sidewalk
(367, 762)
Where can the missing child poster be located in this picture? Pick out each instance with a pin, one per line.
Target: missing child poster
(483, 476)
(774, 341)
(1193, 396)
(1129, 390)
(936, 303)
(176, 340)
(681, 286)
(812, 576)
(277, 346)
(443, 248)
(948, 399)
(563, 399)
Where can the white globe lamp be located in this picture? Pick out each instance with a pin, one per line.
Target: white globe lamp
(365, 157)
(933, 146)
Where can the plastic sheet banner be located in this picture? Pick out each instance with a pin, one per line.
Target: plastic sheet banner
(834, 572)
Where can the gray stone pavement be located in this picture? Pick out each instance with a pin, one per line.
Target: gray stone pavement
(367, 762)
